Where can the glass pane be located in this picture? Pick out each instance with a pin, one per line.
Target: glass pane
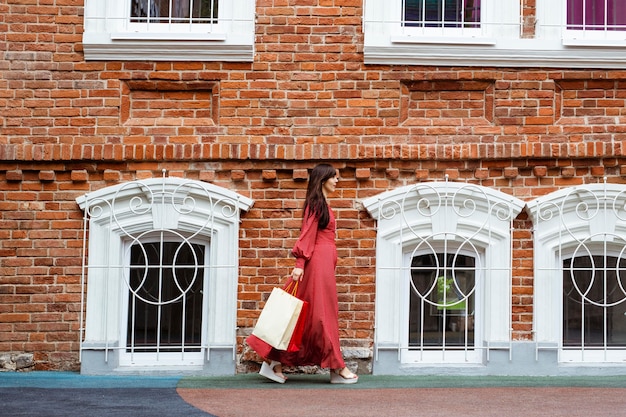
(441, 305)
(442, 13)
(594, 302)
(596, 14)
(165, 299)
(174, 11)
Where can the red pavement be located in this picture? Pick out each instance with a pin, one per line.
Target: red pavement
(410, 402)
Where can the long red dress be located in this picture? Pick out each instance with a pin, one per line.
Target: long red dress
(316, 253)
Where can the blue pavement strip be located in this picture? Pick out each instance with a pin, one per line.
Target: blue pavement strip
(66, 394)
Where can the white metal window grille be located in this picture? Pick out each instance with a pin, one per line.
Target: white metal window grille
(580, 267)
(443, 272)
(160, 274)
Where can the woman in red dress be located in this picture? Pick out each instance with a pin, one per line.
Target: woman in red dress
(316, 260)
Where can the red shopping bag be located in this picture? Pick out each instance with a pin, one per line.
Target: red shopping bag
(298, 331)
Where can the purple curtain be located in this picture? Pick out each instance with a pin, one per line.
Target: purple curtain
(596, 14)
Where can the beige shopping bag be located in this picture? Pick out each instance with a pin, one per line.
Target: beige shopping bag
(278, 319)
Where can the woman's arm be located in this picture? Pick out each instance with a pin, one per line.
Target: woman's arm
(305, 245)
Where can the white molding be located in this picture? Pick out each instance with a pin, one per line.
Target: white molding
(122, 214)
(494, 57)
(109, 35)
(497, 44)
(587, 217)
(414, 213)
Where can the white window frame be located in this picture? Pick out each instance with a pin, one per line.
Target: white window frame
(499, 44)
(564, 220)
(110, 35)
(117, 214)
(414, 212)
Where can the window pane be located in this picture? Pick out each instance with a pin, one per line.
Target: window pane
(174, 11)
(596, 14)
(594, 302)
(442, 13)
(165, 299)
(441, 306)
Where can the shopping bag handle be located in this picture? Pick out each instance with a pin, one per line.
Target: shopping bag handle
(292, 287)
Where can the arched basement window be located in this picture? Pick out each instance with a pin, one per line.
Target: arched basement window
(580, 274)
(443, 275)
(160, 277)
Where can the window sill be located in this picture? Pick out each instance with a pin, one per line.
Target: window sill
(99, 48)
(470, 40)
(607, 43)
(513, 54)
(183, 36)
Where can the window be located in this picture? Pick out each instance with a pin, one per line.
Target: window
(580, 266)
(443, 275)
(169, 30)
(165, 301)
(160, 277)
(442, 306)
(584, 23)
(178, 12)
(594, 304)
(438, 13)
(500, 33)
(598, 15)
(413, 31)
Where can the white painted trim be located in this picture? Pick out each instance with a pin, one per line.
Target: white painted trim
(109, 35)
(405, 215)
(561, 224)
(197, 210)
(387, 42)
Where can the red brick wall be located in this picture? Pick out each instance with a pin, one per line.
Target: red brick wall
(69, 127)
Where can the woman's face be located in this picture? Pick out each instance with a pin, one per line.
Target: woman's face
(330, 184)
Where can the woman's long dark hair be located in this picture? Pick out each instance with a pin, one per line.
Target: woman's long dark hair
(315, 200)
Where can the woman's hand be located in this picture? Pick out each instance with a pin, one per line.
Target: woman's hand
(297, 274)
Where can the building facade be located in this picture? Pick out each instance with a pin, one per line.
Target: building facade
(154, 158)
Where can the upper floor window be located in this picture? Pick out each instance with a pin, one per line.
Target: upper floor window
(505, 33)
(209, 30)
(442, 13)
(601, 15)
(596, 19)
(180, 14)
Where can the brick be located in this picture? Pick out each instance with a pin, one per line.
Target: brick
(269, 175)
(238, 175)
(111, 175)
(511, 172)
(79, 175)
(47, 176)
(363, 173)
(14, 175)
(300, 174)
